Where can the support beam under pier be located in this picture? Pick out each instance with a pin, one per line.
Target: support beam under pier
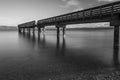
(116, 37)
(58, 31)
(19, 29)
(63, 29)
(116, 45)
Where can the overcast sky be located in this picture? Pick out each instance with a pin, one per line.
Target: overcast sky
(14, 12)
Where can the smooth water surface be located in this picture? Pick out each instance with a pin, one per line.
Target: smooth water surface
(33, 56)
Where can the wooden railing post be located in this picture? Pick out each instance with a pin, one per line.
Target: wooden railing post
(100, 12)
(112, 10)
(83, 15)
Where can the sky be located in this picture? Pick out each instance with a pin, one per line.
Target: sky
(14, 12)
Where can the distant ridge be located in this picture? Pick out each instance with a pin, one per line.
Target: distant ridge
(8, 28)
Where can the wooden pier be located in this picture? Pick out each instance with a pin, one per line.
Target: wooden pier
(104, 13)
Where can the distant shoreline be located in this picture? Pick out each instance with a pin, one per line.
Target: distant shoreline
(69, 29)
(8, 29)
(108, 28)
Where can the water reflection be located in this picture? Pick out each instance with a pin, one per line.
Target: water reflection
(116, 55)
(41, 39)
(33, 38)
(60, 50)
(63, 50)
(29, 37)
(47, 55)
(58, 44)
(44, 39)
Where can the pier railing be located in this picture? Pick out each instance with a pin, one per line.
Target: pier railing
(30, 24)
(100, 11)
(109, 12)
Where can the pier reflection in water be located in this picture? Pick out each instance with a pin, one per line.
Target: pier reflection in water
(116, 56)
(61, 49)
(76, 52)
(30, 57)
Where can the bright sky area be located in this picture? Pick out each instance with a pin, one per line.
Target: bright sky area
(14, 12)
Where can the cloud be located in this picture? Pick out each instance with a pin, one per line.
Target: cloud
(69, 3)
(75, 4)
(78, 9)
(108, 0)
(64, 0)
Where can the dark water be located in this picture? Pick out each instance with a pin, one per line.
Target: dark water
(33, 57)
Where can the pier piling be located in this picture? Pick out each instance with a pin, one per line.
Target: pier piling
(116, 45)
(19, 30)
(116, 39)
(58, 31)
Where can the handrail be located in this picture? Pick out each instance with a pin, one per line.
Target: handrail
(108, 9)
(27, 24)
(99, 11)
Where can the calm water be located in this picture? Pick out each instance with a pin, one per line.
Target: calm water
(32, 57)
